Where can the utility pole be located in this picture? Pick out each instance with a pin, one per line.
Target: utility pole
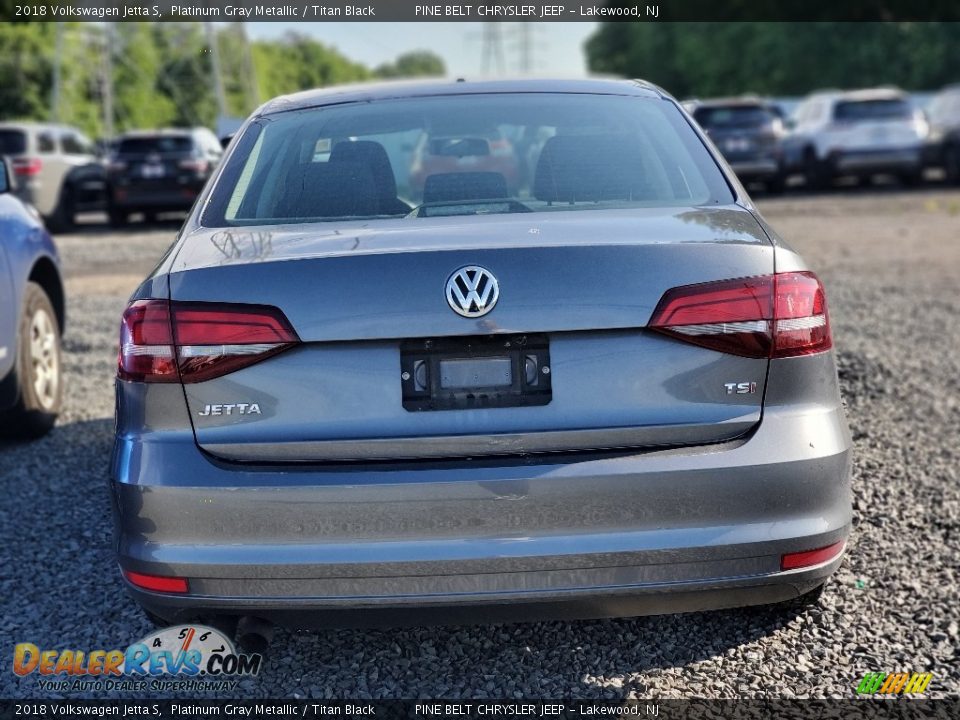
(525, 45)
(492, 48)
(57, 71)
(217, 80)
(106, 81)
(253, 89)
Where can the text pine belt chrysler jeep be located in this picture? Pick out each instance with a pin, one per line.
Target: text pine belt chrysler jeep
(602, 387)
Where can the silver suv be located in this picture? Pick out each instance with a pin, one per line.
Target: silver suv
(57, 170)
(857, 133)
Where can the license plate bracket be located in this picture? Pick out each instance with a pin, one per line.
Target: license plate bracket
(496, 371)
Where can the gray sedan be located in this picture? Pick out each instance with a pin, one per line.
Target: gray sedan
(570, 372)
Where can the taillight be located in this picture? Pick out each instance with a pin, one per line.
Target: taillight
(194, 165)
(774, 316)
(27, 167)
(162, 341)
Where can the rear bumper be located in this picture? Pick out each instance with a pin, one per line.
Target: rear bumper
(175, 197)
(759, 168)
(666, 531)
(892, 160)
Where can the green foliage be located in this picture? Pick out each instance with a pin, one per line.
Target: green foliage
(162, 72)
(710, 59)
(419, 63)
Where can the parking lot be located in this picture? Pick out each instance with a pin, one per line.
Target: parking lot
(890, 260)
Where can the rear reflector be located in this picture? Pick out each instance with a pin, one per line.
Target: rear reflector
(774, 316)
(157, 583)
(808, 558)
(162, 341)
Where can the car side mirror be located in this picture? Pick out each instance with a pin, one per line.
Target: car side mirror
(7, 183)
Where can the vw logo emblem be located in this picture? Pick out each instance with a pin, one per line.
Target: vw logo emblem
(472, 291)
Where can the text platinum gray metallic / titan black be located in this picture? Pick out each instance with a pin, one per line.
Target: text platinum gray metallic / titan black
(461, 352)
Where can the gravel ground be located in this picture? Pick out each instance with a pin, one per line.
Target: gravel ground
(891, 263)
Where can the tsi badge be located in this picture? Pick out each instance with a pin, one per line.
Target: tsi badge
(230, 409)
(741, 388)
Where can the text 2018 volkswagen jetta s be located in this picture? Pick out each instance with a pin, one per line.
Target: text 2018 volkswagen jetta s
(348, 398)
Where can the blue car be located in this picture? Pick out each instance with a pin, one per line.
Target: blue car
(31, 318)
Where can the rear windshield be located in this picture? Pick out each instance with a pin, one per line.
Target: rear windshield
(854, 110)
(464, 155)
(739, 116)
(164, 144)
(12, 142)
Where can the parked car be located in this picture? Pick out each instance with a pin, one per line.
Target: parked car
(32, 316)
(748, 132)
(57, 170)
(858, 133)
(943, 146)
(157, 171)
(612, 392)
(476, 150)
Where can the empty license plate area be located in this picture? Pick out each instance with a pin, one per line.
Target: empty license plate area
(476, 372)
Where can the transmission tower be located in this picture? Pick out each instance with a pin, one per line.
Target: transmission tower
(492, 51)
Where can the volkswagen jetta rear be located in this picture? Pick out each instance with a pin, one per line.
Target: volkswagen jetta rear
(347, 398)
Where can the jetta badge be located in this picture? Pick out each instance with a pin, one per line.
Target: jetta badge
(472, 291)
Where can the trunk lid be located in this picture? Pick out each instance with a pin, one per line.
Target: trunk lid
(356, 293)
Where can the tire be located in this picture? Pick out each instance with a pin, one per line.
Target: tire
(775, 185)
(951, 163)
(814, 172)
(62, 219)
(39, 369)
(118, 218)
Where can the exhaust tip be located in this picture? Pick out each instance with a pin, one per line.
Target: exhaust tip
(254, 634)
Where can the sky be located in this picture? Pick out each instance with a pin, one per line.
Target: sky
(557, 47)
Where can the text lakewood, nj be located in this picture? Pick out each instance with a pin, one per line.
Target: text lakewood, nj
(311, 12)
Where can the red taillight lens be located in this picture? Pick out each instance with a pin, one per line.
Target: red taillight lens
(194, 165)
(163, 341)
(27, 167)
(776, 316)
(808, 558)
(157, 583)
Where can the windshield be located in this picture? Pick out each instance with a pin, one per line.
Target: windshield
(12, 142)
(737, 116)
(464, 155)
(860, 110)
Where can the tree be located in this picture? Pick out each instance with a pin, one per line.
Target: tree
(707, 59)
(418, 63)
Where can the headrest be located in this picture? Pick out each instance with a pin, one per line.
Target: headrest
(449, 187)
(325, 189)
(374, 157)
(588, 168)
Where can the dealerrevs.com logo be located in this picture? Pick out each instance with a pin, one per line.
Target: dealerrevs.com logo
(184, 657)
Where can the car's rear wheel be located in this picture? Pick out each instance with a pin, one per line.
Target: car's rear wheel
(118, 218)
(951, 163)
(39, 369)
(814, 172)
(62, 219)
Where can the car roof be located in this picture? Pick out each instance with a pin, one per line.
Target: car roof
(31, 125)
(161, 132)
(741, 101)
(366, 92)
(862, 95)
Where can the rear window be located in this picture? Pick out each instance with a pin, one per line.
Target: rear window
(13, 142)
(864, 110)
(464, 155)
(164, 144)
(738, 116)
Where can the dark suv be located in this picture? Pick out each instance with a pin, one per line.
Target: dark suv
(748, 132)
(159, 171)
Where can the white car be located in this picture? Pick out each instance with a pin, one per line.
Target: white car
(857, 133)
